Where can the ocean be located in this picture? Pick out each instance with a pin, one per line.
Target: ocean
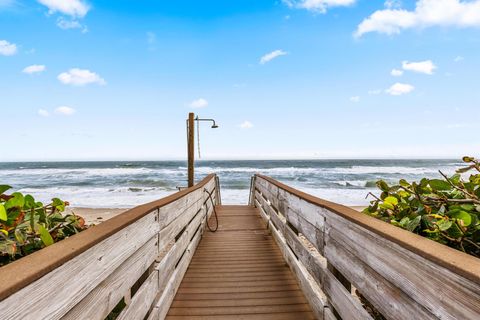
(123, 184)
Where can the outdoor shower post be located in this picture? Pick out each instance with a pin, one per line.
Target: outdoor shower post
(191, 151)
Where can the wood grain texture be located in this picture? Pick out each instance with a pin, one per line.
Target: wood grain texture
(163, 304)
(402, 280)
(456, 261)
(142, 300)
(89, 285)
(25, 271)
(440, 291)
(305, 217)
(312, 290)
(315, 279)
(239, 272)
(53, 295)
(101, 300)
(391, 301)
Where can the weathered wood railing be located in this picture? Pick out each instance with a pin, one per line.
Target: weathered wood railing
(135, 260)
(334, 250)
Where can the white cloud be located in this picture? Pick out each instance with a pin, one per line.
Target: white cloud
(71, 24)
(393, 4)
(426, 67)
(80, 77)
(396, 73)
(427, 13)
(64, 110)
(374, 92)
(246, 125)
(355, 99)
(458, 59)
(319, 6)
(400, 88)
(73, 8)
(198, 103)
(272, 55)
(7, 48)
(36, 68)
(43, 113)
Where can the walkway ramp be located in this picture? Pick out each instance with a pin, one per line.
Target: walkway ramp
(239, 272)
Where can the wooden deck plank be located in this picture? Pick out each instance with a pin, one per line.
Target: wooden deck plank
(239, 272)
(272, 316)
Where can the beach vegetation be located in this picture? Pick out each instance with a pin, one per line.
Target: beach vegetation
(27, 225)
(446, 210)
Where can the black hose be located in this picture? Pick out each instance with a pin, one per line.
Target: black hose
(214, 211)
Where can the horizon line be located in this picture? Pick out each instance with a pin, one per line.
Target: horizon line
(231, 159)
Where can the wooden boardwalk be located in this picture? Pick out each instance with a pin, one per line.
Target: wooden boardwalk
(239, 273)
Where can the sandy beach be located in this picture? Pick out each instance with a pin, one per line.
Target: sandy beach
(96, 215)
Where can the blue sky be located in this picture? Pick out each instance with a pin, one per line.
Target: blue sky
(106, 80)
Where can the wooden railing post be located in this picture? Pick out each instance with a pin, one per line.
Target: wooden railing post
(191, 151)
(251, 198)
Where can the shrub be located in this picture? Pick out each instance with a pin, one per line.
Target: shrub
(27, 225)
(446, 210)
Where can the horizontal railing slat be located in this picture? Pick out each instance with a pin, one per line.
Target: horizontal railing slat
(162, 306)
(392, 302)
(53, 295)
(439, 290)
(25, 271)
(92, 278)
(167, 264)
(142, 300)
(310, 288)
(403, 275)
(101, 300)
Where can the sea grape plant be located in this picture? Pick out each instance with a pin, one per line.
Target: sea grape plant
(27, 225)
(446, 210)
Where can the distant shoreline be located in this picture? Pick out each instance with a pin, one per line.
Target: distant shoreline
(222, 159)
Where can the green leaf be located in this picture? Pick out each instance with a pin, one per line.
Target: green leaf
(466, 169)
(412, 225)
(382, 185)
(29, 202)
(444, 225)
(403, 194)
(17, 201)
(454, 231)
(462, 215)
(455, 178)
(467, 207)
(404, 222)
(386, 206)
(44, 235)
(440, 185)
(4, 188)
(20, 237)
(59, 204)
(3, 213)
(468, 159)
(391, 200)
(404, 183)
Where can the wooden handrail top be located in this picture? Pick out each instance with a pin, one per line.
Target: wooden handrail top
(461, 263)
(23, 272)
